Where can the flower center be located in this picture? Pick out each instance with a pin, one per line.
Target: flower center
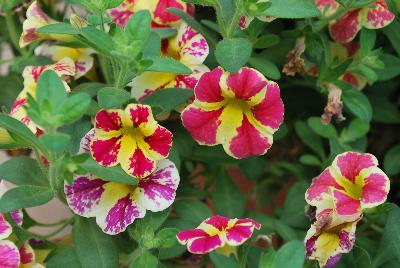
(354, 190)
(238, 104)
(132, 132)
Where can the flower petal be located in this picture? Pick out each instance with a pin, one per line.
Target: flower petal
(327, 7)
(84, 195)
(186, 235)
(241, 231)
(345, 204)
(346, 27)
(108, 120)
(149, 82)
(122, 13)
(377, 17)
(204, 245)
(218, 222)
(106, 151)
(9, 254)
(157, 191)
(17, 216)
(5, 227)
(162, 17)
(350, 164)
(141, 117)
(160, 143)
(208, 88)
(27, 254)
(138, 164)
(320, 187)
(190, 80)
(84, 145)
(201, 124)
(192, 46)
(375, 189)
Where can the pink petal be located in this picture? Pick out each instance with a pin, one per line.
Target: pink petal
(84, 195)
(208, 88)
(246, 83)
(204, 245)
(241, 231)
(17, 216)
(186, 235)
(346, 205)
(346, 27)
(219, 222)
(105, 152)
(9, 255)
(375, 189)
(139, 114)
(350, 164)
(157, 191)
(322, 5)
(5, 227)
(108, 120)
(270, 111)
(378, 17)
(320, 186)
(27, 254)
(84, 145)
(202, 125)
(160, 141)
(140, 165)
(162, 16)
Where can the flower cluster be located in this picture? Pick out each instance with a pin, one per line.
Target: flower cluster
(340, 193)
(345, 28)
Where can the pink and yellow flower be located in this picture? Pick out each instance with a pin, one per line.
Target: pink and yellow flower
(240, 110)
(217, 232)
(35, 19)
(64, 68)
(82, 57)
(352, 183)
(330, 237)
(346, 27)
(160, 16)
(191, 49)
(117, 205)
(131, 138)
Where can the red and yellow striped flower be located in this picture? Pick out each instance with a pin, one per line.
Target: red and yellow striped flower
(35, 19)
(81, 56)
(131, 138)
(217, 232)
(330, 237)
(352, 183)
(240, 110)
(191, 49)
(160, 16)
(346, 27)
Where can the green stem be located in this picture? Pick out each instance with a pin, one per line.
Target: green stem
(12, 31)
(120, 83)
(53, 224)
(105, 67)
(230, 30)
(55, 232)
(43, 168)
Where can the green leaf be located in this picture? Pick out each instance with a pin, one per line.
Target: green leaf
(310, 160)
(292, 9)
(310, 138)
(168, 99)
(265, 67)
(22, 170)
(384, 110)
(193, 211)
(167, 237)
(56, 142)
(115, 174)
(21, 133)
(221, 261)
(10, 88)
(293, 209)
(98, 39)
(74, 107)
(358, 104)
(25, 196)
(51, 88)
(267, 258)
(393, 34)
(76, 130)
(167, 65)
(322, 130)
(64, 258)
(145, 260)
(93, 247)
(392, 67)
(391, 162)
(232, 54)
(58, 28)
(138, 26)
(292, 255)
(111, 97)
(201, 2)
(228, 199)
(266, 41)
(355, 130)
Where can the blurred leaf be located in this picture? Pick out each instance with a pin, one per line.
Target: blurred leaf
(167, 65)
(167, 237)
(357, 103)
(266, 41)
(25, 196)
(265, 67)
(74, 107)
(310, 160)
(10, 87)
(111, 97)
(192, 211)
(64, 258)
(145, 259)
(392, 67)
(168, 99)
(22, 170)
(293, 210)
(93, 247)
(355, 130)
(221, 261)
(292, 9)
(311, 139)
(322, 130)
(56, 142)
(391, 161)
(267, 258)
(232, 54)
(292, 255)
(58, 28)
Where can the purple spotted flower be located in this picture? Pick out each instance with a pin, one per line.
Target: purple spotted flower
(115, 205)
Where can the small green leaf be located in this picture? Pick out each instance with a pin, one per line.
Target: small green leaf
(193, 211)
(145, 260)
(22, 171)
(58, 28)
(232, 54)
(56, 142)
(266, 67)
(391, 69)
(138, 26)
(267, 258)
(391, 161)
(167, 237)
(311, 139)
(293, 209)
(355, 130)
(358, 104)
(51, 88)
(167, 65)
(115, 174)
(322, 130)
(25, 196)
(221, 261)
(310, 160)
(266, 41)
(64, 258)
(74, 107)
(292, 9)
(168, 99)
(292, 255)
(93, 247)
(98, 39)
(111, 97)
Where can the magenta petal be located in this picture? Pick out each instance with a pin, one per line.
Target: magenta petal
(375, 189)
(204, 245)
(246, 83)
(350, 164)
(9, 255)
(186, 235)
(346, 27)
(208, 88)
(346, 205)
(5, 227)
(218, 222)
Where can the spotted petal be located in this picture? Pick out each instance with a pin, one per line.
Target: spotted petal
(345, 29)
(164, 18)
(327, 7)
(192, 46)
(375, 189)
(9, 255)
(377, 17)
(5, 227)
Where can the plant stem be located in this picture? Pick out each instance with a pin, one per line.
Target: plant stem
(105, 67)
(230, 31)
(120, 83)
(55, 232)
(12, 32)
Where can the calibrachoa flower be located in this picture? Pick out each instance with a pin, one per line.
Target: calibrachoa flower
(330, 237)
(160, 16)
(217, 232)
(190, 48)
(352, 183)
(130, 137)
(240, 110)
(35, 19)
(117, 205)
(346, 27)
(64, 68)
(81, 56)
